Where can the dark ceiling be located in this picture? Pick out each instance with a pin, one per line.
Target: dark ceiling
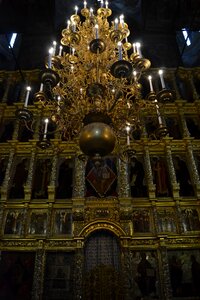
(40, 21)
(50, 15)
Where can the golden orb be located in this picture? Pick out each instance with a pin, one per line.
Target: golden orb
(97, 138)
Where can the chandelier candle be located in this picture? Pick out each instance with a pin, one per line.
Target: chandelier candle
(46, 121)
(74, 27)
(116, 23)
(73, 51)
(91, 12)
(50, 57)
(41, 87)
(134, 48)
(76, 10)
(135, 75)
(59, 99)
(54, 48)
(121, 20)
(160, 72)
(28, 89)
(96, 31)
(128, 135)
(138, 49)
(158, 113)
(60, 50)
(150, 84)
(120, 50)
(68, 24)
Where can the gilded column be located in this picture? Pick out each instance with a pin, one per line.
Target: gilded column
(192, 85)
(1, 218)
(172, 173)
(25, 216)
(144, 133)
(54, 170)
(179, 217)
(78, 274)
(7, 88)
(52, 186)
(79, 178)
(148, 172)
(38, 118)
(16, 130)
(128, 274)
(2, 108)
(193, 169)
(192, 164)
(164, 274)
(38, 278)
(23, 93)
(183, 122)
(123, 181)
(49, 219)
(29, 181)
(5, 185)
(155, 217)
(37, 128)
(173, 80)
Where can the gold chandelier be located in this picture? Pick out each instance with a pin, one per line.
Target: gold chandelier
(91, 86)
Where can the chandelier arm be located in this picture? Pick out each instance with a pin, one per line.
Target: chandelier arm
(29, 128)
(113, 105)
(97, 67)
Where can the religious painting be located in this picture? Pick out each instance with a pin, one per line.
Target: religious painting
(141, 220)
(184, 266)
(19, 177)
(65, 179)
(173, 127)
(3, 165)
(137, 178)
(160, 177)
(166, 220)
(197, 160)
(193, 125)
(101, 178)
(191, 220)
(62, 222)
(58, 280)
(16, 275)
(151, 124)
(14, 222)
(183, 176)
(143, 275)
(6, 131)
(41, 179)
(25, 134)
(38, 222)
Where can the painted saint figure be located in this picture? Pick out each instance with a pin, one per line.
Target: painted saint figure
(146, 278)
(137, 176)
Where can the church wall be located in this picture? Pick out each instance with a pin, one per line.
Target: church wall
(147, 207)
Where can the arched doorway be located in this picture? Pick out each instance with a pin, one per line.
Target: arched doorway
(102, 267)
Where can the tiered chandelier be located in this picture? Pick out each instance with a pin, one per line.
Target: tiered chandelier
(91, 84)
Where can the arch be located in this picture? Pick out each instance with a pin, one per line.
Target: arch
(102, 224)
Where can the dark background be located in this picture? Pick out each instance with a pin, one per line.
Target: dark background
(157, 24)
